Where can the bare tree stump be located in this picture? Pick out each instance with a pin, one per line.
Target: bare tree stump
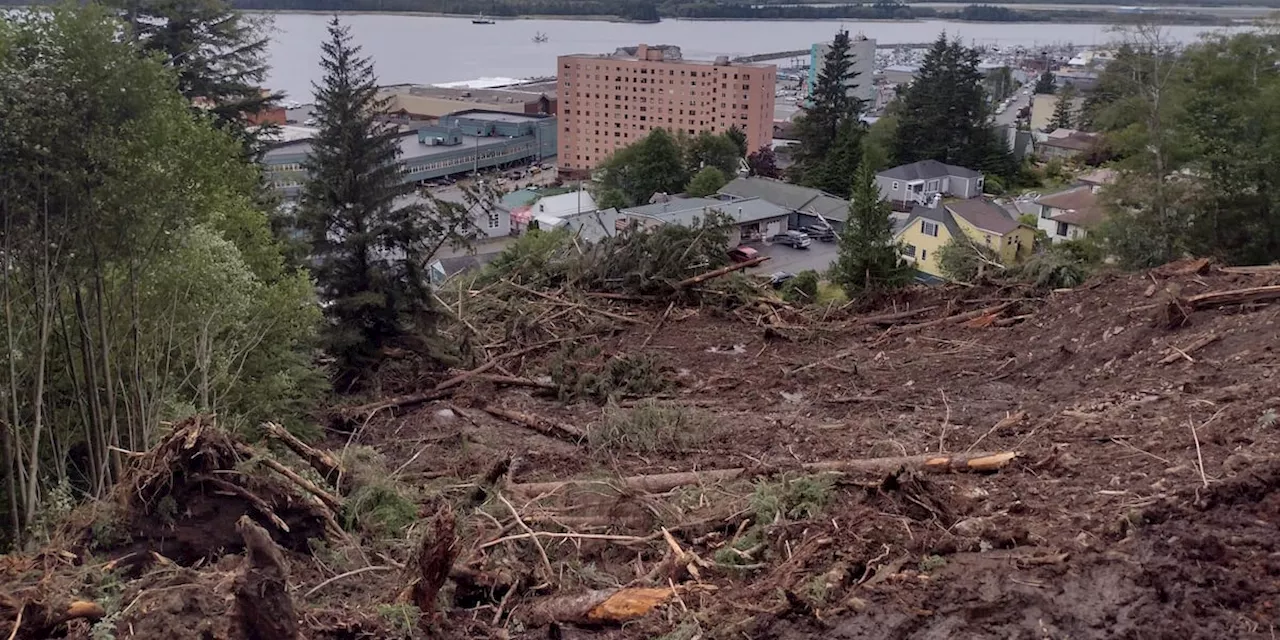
(436, 553)
(262, 596)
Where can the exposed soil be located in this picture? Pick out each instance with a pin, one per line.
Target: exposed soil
(1145, 502)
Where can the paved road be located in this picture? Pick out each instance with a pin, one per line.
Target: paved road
(818, 257)
(1010, 115)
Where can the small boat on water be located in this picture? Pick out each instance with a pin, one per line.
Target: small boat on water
(480, 19)
(540, 37)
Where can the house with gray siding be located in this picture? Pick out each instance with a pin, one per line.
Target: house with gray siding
(918, 182)
(807, 205)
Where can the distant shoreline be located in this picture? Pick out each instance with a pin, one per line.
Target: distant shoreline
(1034, 16)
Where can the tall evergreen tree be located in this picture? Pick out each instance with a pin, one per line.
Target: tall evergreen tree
(869, 260)
(739, 138)
(367, 248)
(945, 115)
(830, 106)
(219, 55)
(1063, 116)
(1046, 83)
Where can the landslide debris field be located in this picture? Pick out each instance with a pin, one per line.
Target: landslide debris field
(977, 462)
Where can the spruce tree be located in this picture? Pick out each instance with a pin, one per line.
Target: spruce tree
(1046, 83)
(1062, 112)
(945, 115)
(219, 55)
(366, 247)
(869, 260)
(830, 106)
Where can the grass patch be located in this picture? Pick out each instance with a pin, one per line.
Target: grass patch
(830, 293)
(791, 497)
(402, 618)
(649, 427)
(380, 509)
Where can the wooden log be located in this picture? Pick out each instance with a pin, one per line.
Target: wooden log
(329, 467)
(1255, 270)
(254, 501)
(953, 319)
(722, 271)
(545, 426)
(1234, 296)
(262, 589)
(334, 503)
(889, 319)
(513, 381)
(594, 608)
(1185, 352)
(663, 482)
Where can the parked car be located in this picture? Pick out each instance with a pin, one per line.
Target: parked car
(793, 239)
(820, 232)
(743, 254)
(776, 280)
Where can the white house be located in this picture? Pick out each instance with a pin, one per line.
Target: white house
(1068, 215)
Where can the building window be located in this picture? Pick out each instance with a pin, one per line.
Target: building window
(1062, 229)
(987, 239)
(909, 250)
(493, 219)
(1044, 212)
(929, 228)
(895, 185)
(924, 254)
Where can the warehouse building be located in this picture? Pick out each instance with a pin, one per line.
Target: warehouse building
(460, 143)
(430, 102)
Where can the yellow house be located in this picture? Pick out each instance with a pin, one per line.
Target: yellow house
(984, 223)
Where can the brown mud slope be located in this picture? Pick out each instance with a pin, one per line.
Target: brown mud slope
(1144, 500)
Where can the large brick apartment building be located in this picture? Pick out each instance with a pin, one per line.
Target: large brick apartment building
(610, 101)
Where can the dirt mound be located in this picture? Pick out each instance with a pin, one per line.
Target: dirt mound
(182, 499)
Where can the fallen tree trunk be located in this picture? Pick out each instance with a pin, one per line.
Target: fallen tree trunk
(545, 426)
(1186, 351)
(39, 619)
(662, 482)
(329, 467)
(329, 500)
(890, 319)
(722, 271)
(262, 590)
(1255, 270)
(1234, 296)
(953, 319)
(516, 382)
(594, 608)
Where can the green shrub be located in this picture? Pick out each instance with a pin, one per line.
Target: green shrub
(794, 498)
(649, 427)
(629, 375)
(803, 288)
(380, 509)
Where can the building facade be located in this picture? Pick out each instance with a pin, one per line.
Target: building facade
(460, 143)
(862, 56)
(430, 102)
(607, 102)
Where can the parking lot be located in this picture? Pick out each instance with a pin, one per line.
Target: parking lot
(818, 257)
